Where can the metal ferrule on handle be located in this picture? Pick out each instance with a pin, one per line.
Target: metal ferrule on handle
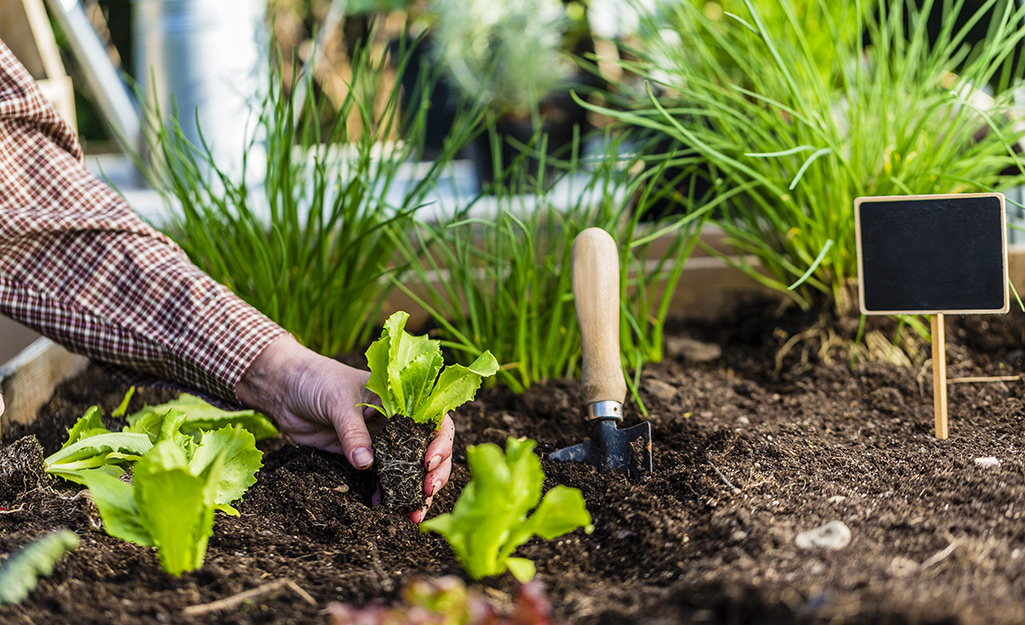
(606, 410)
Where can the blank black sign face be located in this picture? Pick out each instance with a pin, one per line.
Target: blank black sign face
(932, 254)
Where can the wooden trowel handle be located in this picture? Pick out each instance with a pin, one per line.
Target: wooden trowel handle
(596, 291)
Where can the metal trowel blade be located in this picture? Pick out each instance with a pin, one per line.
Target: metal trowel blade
(612, 448)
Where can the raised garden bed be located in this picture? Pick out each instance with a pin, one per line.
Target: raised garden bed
(745, 461)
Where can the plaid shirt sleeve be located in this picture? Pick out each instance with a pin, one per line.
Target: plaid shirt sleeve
(77, 265)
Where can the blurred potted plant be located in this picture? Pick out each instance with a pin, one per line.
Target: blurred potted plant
(512, 56)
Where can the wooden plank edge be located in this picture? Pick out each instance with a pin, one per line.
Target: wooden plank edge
(28, 379)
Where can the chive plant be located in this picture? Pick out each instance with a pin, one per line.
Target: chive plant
(311, 245)
(504, 281)
(807, 104)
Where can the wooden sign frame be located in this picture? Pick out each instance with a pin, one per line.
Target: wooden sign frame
(926, 198)
(939, 355)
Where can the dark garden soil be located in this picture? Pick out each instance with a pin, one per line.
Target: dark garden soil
(745, 461)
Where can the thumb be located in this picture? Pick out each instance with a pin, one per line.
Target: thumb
(354, 437)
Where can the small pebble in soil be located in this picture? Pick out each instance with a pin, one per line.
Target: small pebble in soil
(692, 350)
(832, 536)
(836, 499)
(743, 420)
(987, 462)
(660, 389)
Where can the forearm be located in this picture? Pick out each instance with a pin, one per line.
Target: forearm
(80, 267)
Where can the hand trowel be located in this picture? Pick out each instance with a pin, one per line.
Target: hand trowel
(596, 293)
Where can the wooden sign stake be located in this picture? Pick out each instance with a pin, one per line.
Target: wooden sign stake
(933, 255)
(939, 375)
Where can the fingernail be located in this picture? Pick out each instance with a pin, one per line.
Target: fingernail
(435, 487)
(421, 514)
(434, 463)
(362, 457)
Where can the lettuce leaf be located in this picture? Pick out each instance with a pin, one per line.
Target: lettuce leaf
(171, 501)
(109, 449)
(235, 448)
(183, 472)
(175, 506)
(489, 520)
(404, 374)
(199, 416)
(115, 500)
(87, 425)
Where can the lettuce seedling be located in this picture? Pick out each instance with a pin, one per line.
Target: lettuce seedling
(181, 472)
(174, 491)
(447, 601)
(489, 520)
(404, 374)
(90, 445)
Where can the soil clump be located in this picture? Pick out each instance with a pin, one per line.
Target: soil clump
(399, 452)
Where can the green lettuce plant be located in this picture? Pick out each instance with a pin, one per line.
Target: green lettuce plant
(181, 472)
(404, 373)
(490, 518)
(447, 601)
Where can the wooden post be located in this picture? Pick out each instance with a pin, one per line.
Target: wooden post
(25, 29)
(939, 375)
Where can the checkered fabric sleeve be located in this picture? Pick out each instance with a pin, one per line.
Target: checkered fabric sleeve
(80, 267)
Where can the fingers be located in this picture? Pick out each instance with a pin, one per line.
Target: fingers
(438, 462)
(437, 478)
(417, 516)
(440, 449)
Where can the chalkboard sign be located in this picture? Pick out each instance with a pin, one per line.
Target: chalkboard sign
(929, 254)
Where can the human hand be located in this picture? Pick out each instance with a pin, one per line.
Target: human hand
(314, 400)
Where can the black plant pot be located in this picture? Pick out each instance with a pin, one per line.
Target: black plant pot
(518, 143)
(679, 188)
(443, 98)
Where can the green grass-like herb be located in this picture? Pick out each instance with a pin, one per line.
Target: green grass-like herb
(310, 246)
(885, 114)
(504, 282)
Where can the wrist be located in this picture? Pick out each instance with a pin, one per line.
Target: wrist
(261, 386)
